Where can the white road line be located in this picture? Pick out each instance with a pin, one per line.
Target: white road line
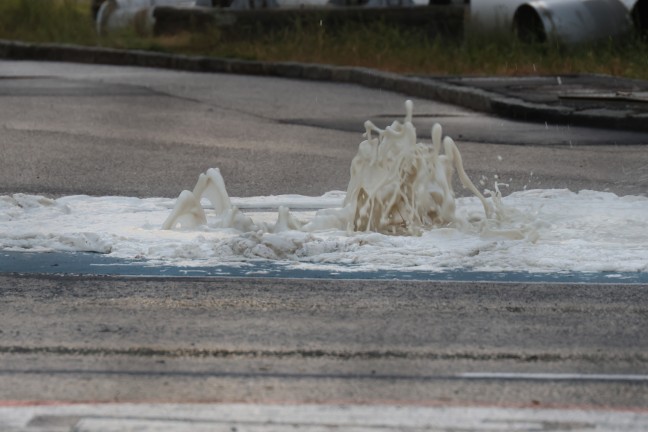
(310, 418)
(554, 376)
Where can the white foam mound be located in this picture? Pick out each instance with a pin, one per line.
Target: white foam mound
(584, 231)
(397, 186)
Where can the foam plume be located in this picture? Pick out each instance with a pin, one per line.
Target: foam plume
(397, 186)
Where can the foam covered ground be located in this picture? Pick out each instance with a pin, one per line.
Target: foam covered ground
(562, 231)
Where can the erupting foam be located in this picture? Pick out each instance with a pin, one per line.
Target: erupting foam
(397, 186)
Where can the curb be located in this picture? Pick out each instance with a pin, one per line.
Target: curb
(428, 88)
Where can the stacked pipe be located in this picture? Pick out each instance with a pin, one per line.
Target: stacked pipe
(567, 21)
(114, 14)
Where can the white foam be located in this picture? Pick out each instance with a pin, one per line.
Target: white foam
(397, 186)
(584, 231)
(400, 186)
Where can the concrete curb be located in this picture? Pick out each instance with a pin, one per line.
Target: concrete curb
(428, 88)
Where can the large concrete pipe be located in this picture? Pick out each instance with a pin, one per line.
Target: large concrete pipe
(493, 14)
(138, 14)
(568, 21)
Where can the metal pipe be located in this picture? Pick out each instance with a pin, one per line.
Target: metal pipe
(571, 21)
(568, 21)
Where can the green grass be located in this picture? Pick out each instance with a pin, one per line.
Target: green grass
(374, 45)
(47, 21)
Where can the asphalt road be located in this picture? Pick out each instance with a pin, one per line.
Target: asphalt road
(99, 130)
(256, 340)
(75, 129)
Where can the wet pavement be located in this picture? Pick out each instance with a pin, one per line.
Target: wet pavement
(67, 264)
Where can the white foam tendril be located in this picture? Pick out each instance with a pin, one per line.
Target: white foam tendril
(398, 186)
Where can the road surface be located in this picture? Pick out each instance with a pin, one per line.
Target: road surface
(77, 129)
